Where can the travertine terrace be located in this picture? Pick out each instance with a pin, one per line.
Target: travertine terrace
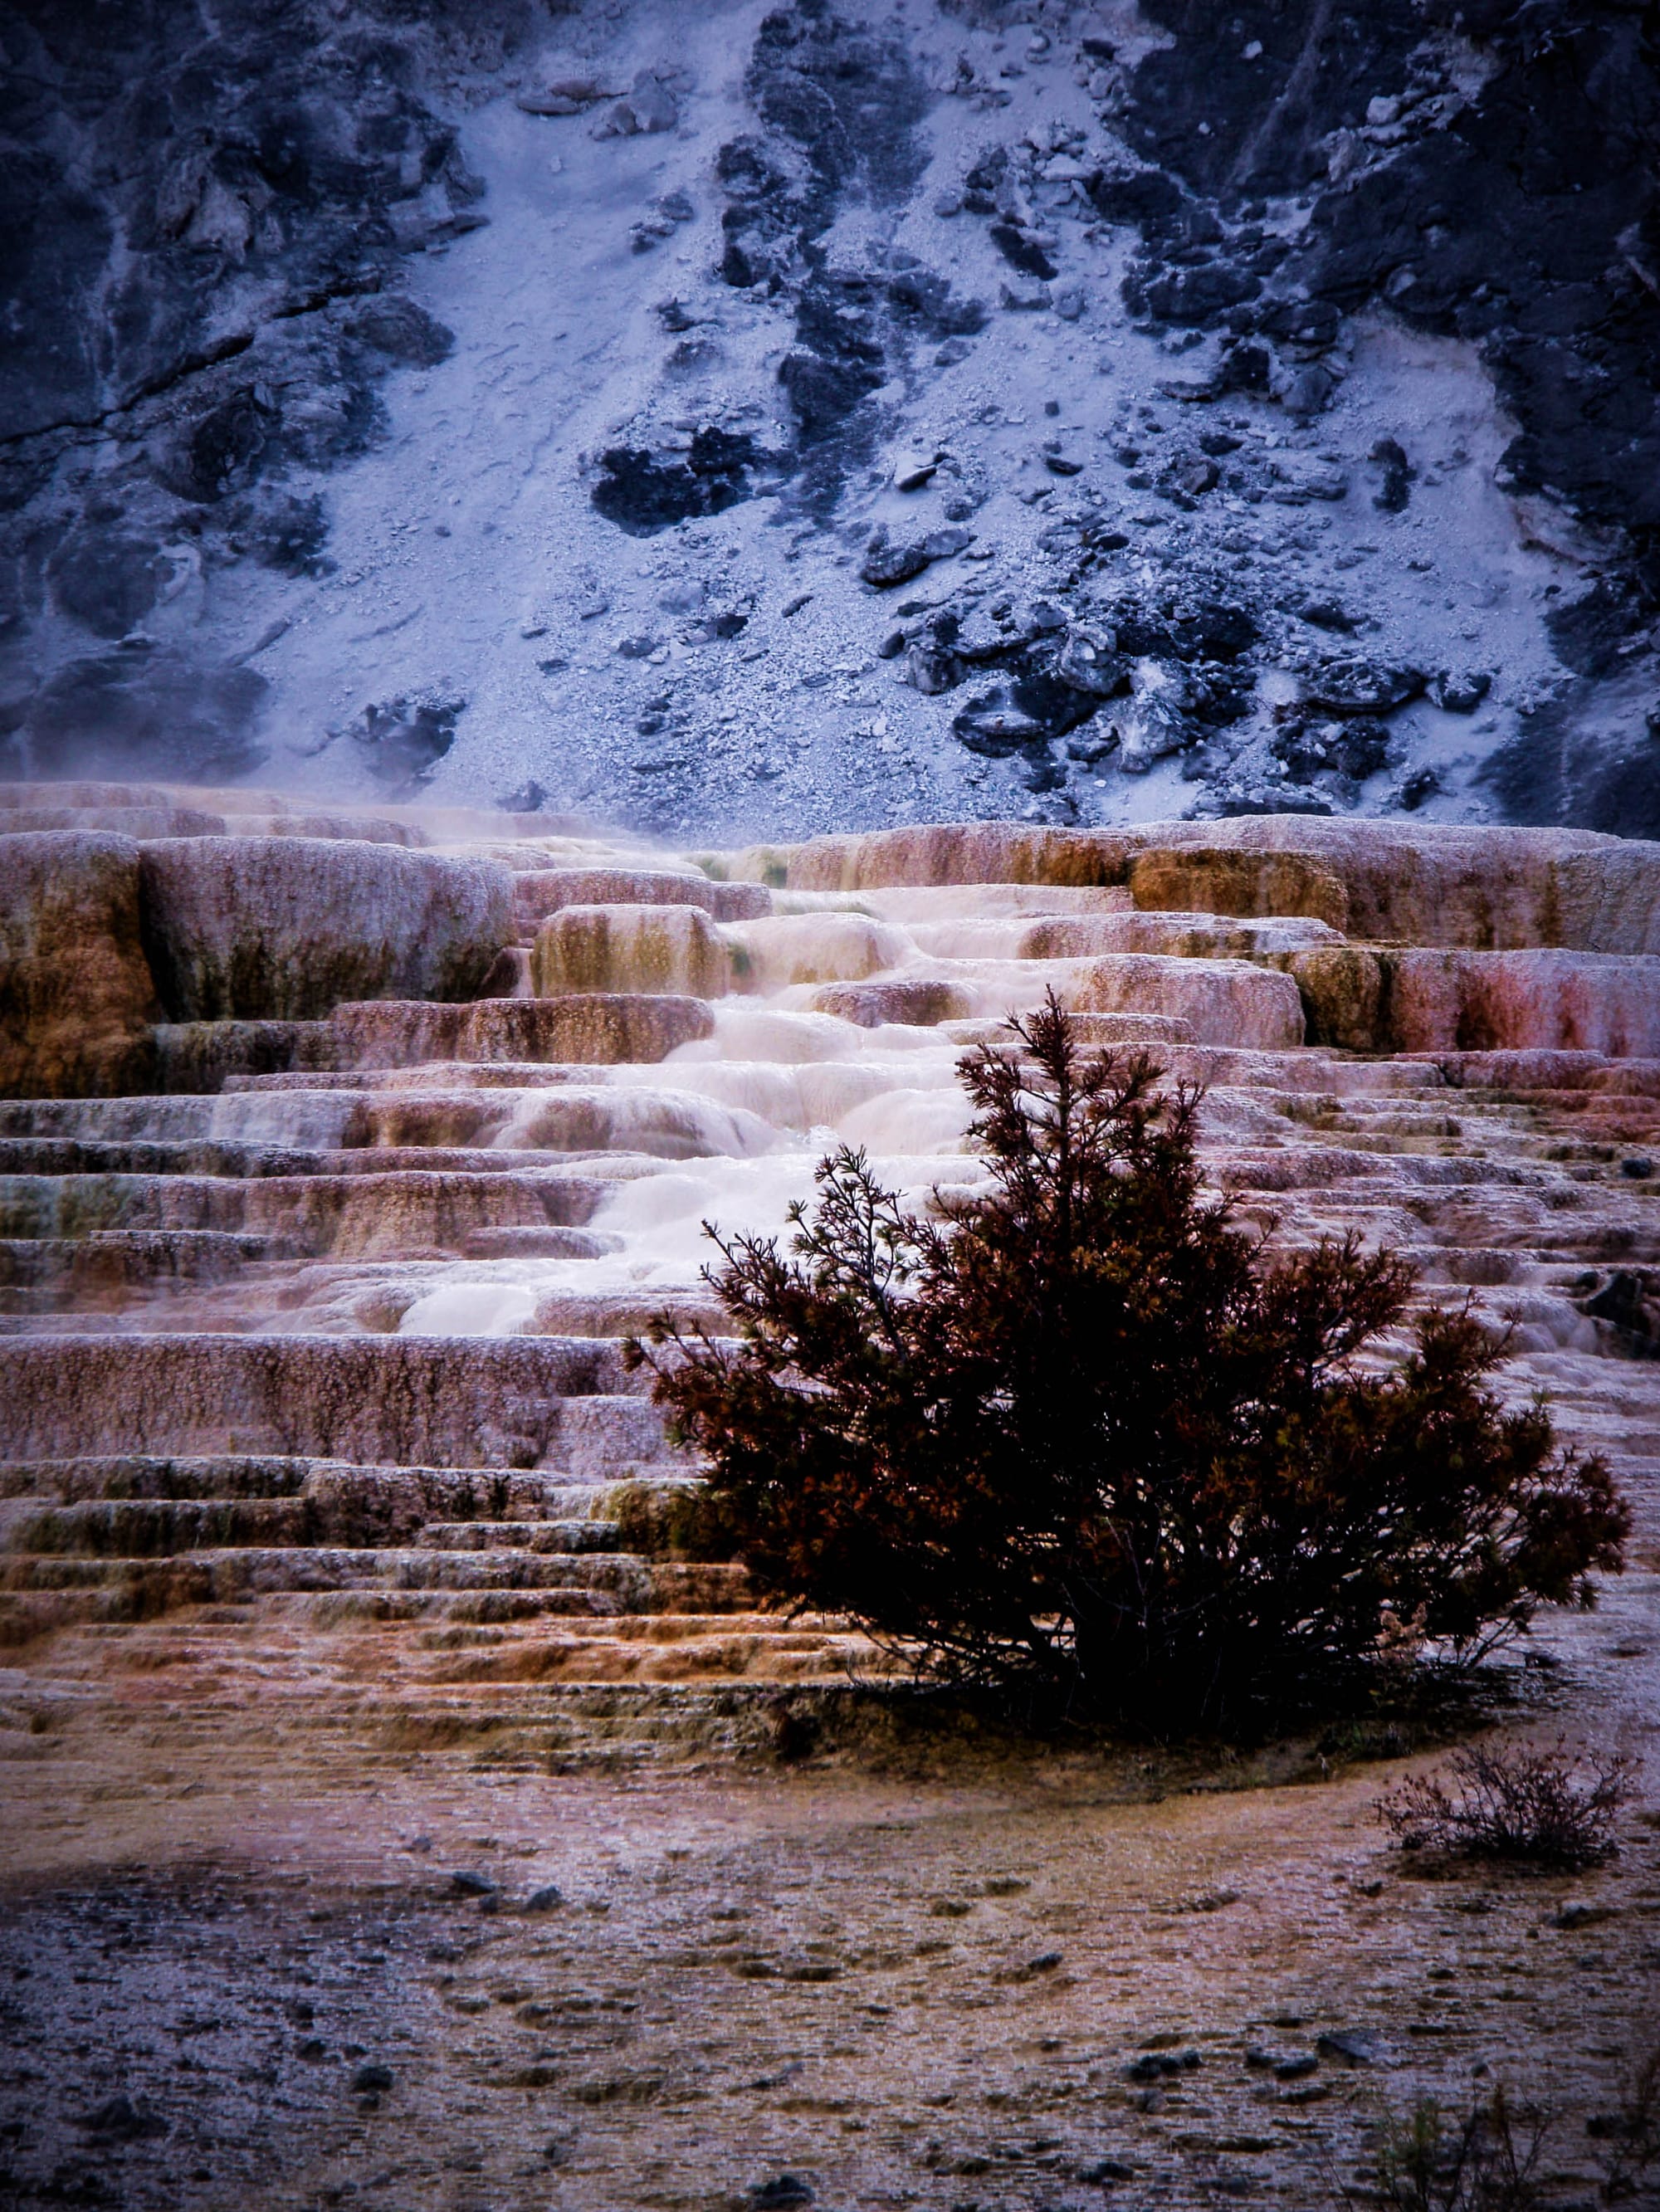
(341, 1153)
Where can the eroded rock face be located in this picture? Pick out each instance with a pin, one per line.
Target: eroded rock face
(946, 852)
(287, 928)
(1431, 884)
(1225, 1001)
(594, 1029)
(1411, 883)
(393, 1403)
(75, 985)
(540, 893)
(1213, 878)
(1432, 1001)
(629, 948)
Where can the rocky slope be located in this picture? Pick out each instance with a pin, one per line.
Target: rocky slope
(840, 415)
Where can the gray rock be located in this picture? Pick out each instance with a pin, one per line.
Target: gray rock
(996, 730)
(1355, 2049)
(1298, 2069)
(1088, 663)
(1155, 724)
(1193, 474)
(548, 1898)
(784, 2193)
(930, 672)
(1460, 694)
(650, 106)
(466, 1882)
(371, 2079)
(119, 2119)
(396, 326)
(402, 739)
(1163, 2065)
(1583, 1916)
(1307, 391)
(1395, 474)
(886, 564)
(1355, 686)
(1092, 745)
(565, 96)
(914, 471)
(105, 579)
(139, 706)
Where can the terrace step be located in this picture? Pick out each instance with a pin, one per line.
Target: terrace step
(541, 1401)
(616, 1580)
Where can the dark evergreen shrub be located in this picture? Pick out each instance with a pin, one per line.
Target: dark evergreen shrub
(1077, 1433)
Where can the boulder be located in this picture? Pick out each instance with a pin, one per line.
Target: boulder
(1156, 722)
(888, 563)
(1354, 685)
(74, 980)
(285, 928)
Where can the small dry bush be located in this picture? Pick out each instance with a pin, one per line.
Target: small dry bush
(1077, 1436)
(1541, 1808)
(1488, 2161)
(1630, 2133)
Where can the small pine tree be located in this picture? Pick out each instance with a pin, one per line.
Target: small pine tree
(1077, 1432)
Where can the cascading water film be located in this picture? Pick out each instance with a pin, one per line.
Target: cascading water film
(591, 599)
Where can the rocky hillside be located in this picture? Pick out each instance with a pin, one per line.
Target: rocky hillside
(837, 415)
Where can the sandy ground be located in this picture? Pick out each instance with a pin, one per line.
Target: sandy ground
(909, 1969)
